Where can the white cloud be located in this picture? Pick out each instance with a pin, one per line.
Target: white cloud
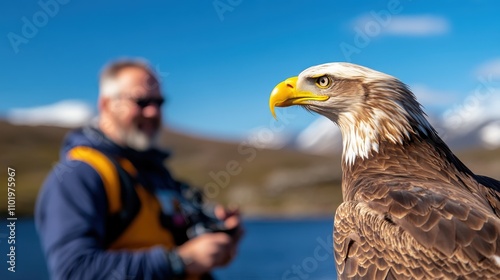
(423, 25)
(489, 69)
(373, 24)
(432, 97)
(66, 113)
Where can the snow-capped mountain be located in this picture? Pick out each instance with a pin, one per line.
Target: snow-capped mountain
(66, 113)
(490, 134)
(323, 136)
(320, 137)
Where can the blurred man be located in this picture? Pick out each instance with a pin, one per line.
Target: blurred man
(110, 209)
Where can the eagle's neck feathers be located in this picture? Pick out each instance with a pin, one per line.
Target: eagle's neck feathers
(388, 135)
(389, 114)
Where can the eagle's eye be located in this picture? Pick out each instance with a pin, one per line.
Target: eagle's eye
(323, 81)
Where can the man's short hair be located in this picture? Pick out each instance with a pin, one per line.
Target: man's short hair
(107, 78)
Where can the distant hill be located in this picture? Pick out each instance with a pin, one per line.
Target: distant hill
(263, 182)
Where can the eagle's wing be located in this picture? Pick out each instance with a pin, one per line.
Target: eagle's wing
(418, 230)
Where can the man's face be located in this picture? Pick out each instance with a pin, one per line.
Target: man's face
(136, 110)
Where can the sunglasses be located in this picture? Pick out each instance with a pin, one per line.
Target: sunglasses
(146, 101)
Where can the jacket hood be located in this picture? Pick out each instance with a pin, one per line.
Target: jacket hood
(89, 136)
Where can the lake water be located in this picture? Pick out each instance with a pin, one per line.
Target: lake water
(271, 249)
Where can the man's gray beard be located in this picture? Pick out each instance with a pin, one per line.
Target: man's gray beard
(138, 140)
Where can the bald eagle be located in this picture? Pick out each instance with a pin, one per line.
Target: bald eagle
(411, 209)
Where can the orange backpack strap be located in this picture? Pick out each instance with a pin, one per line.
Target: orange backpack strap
(106, 170)
(118, 177)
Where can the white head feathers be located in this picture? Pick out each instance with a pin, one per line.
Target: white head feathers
(369, 106)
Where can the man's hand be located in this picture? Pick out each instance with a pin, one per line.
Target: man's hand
(210, 250)
(232, 220)
(205, 252)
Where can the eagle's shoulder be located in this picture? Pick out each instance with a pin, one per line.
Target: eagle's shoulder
(491, 190)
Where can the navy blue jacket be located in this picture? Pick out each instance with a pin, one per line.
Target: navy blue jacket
(71, 211)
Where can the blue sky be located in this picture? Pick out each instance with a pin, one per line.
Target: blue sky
(220, 59)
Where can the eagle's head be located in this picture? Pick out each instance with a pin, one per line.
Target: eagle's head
(370, 107)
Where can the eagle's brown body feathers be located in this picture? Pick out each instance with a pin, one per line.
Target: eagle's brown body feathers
(411, 213)
(411, 210)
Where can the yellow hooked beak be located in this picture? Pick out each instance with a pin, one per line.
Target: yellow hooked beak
(286, 94)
